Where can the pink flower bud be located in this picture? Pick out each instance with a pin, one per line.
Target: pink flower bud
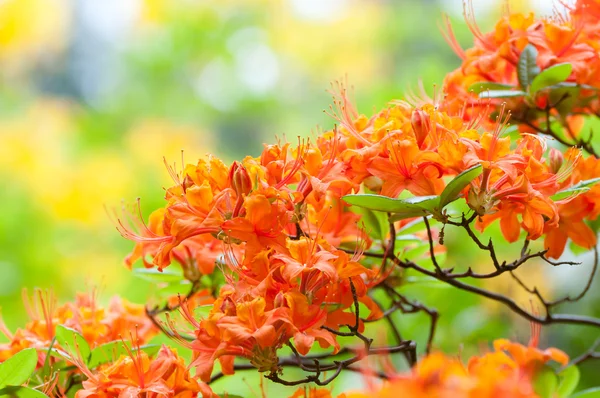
(556, 160)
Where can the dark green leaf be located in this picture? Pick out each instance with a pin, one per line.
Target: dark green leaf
(545, 382)
(458, 183)
(72, 342)
(579, 188)
(170, 274)
(21, 392)
(502, 94)
(550, 76)
(480, 87)
(18, 368)
(568, 380)
(590, 393)
(527, 68)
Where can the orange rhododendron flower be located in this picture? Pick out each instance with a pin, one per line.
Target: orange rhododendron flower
(96, 323)
(509, 371)
(138, 375)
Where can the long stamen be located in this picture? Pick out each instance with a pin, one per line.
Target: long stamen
(448, 34)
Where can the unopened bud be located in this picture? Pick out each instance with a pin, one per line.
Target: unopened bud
(556, 160)
(240, 179)
(279, 300)
(421, 124)
(228, 307)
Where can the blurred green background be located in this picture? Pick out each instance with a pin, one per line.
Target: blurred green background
(94, 93)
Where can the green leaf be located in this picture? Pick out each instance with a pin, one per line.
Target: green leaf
(47, 368)
(527, 68)
(564, 96)
(21, 392)
(408, 214)
(545, 382)
(502, 94)
(18, 368)
(574, 85)
(568, 380)
(577, 250)
(72, 342)
(375, 222)
(390, 205)
(550, 76)
(590, 393)
(172, 289)
(110, 351)
(568, 193)
(411, 227)
(480, 87)
(458, 183)
(577, 189)
(171, 274)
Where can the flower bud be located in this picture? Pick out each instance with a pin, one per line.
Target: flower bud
(228, 307)
(279, 300)
(556, 160)
(421, 125)
(240, 179)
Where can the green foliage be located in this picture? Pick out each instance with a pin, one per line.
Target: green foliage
(374, 222)
(414, 206)
(545, 382)
(18, 368)
(458, 183)
(527, 68)
(481, 87)
(110, 351)
(502, 94)
(73, 343)
(171, 274)
(550, 76)
(405, 208)
(21, 392)
(568, 379)
(579, 188)
(589, 393)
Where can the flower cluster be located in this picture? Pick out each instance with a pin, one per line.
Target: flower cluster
(510, 370)
(497, 61)
(137, 374)
(97, 324)
(276, 224)
(298, 246)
